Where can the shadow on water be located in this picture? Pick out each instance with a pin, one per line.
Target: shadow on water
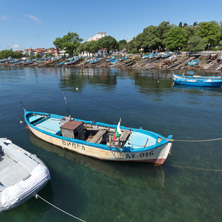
(137, 175)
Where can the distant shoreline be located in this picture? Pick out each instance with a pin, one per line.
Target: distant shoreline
(213, 63)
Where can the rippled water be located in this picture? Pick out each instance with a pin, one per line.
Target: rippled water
(186, 188)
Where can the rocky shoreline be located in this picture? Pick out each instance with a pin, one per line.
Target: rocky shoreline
(137, 62)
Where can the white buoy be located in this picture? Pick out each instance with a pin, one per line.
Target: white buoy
(77, 88)
(21, 121)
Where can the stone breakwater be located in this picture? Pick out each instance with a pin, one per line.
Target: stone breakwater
(137, 62)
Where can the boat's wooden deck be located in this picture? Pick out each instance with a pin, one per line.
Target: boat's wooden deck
(11, 172)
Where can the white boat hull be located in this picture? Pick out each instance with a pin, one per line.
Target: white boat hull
(155, 156)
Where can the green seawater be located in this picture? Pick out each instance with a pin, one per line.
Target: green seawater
(188, 187)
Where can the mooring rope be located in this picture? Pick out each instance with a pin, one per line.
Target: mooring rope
(191, 141)
(37, 196)
(196, 168)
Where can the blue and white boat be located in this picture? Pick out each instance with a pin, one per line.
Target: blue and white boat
(60, 63)
(95, 61)
(114, 61)
(148, 56)
(193, 62)
(74, 60)
(201, 81)
(123, 58)
(110, 59)
(100, 140)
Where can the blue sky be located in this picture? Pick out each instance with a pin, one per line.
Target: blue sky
(28, 23)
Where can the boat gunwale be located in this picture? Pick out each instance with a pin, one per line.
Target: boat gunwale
(163, 141)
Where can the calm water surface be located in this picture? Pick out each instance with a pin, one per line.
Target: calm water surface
(187, 188)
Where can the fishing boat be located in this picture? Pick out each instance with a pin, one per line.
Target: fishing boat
(114, 61)
(71, 62)
(123, 58)
(60, 63)
(22, 175)
(148, 56)
(166, 54)
(95, 61)
(172, 58)
(193, 62)
(207, 81)
(99, 140)
(197, 76)
(110, 59)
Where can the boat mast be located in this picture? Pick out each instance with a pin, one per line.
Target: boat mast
(67, 106)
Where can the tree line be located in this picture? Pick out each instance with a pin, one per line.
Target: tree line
(9, 53)
(165, 36)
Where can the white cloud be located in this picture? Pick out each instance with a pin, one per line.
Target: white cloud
(34, 18)
(5, 18)
(15, 46)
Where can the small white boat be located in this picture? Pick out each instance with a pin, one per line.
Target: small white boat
(22, 175)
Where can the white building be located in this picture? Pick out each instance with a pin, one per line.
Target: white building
(98, 36)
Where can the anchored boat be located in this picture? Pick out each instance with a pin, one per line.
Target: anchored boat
(193, 62)
(100, 140)
(22, 175)
(207, 81)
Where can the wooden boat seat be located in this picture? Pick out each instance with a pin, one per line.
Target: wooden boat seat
(98, 136)
(124, 136)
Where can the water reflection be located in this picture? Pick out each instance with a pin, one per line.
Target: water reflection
(76, 79)
(137, 175)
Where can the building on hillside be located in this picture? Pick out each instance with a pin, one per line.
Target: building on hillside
(50, 51)
(129, 40)
(40, 52)
(28, 52)
(102, 52)
(98, 36)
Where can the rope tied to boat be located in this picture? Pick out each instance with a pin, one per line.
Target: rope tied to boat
(191, 141)
(37, 196)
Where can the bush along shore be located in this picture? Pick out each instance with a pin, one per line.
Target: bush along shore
(165, 61)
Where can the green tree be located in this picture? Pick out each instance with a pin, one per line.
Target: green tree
(93, 46)
(151, 38)
(69, 42)
(163, 28)
(139, 42)
(196, 43)
(175, 39)
(122, 44)
(9, 53)
(190, 30)
(210, 32)
(108, 42)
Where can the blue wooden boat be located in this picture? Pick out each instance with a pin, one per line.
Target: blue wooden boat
(207, 81)
(123, 58)
(29, 62)
(193, 62)
(166, 54)
(110, 59)
(96, 139)
(147, 56)
(95, 61)
(114, 61)
(60, 63)
(71, 62)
